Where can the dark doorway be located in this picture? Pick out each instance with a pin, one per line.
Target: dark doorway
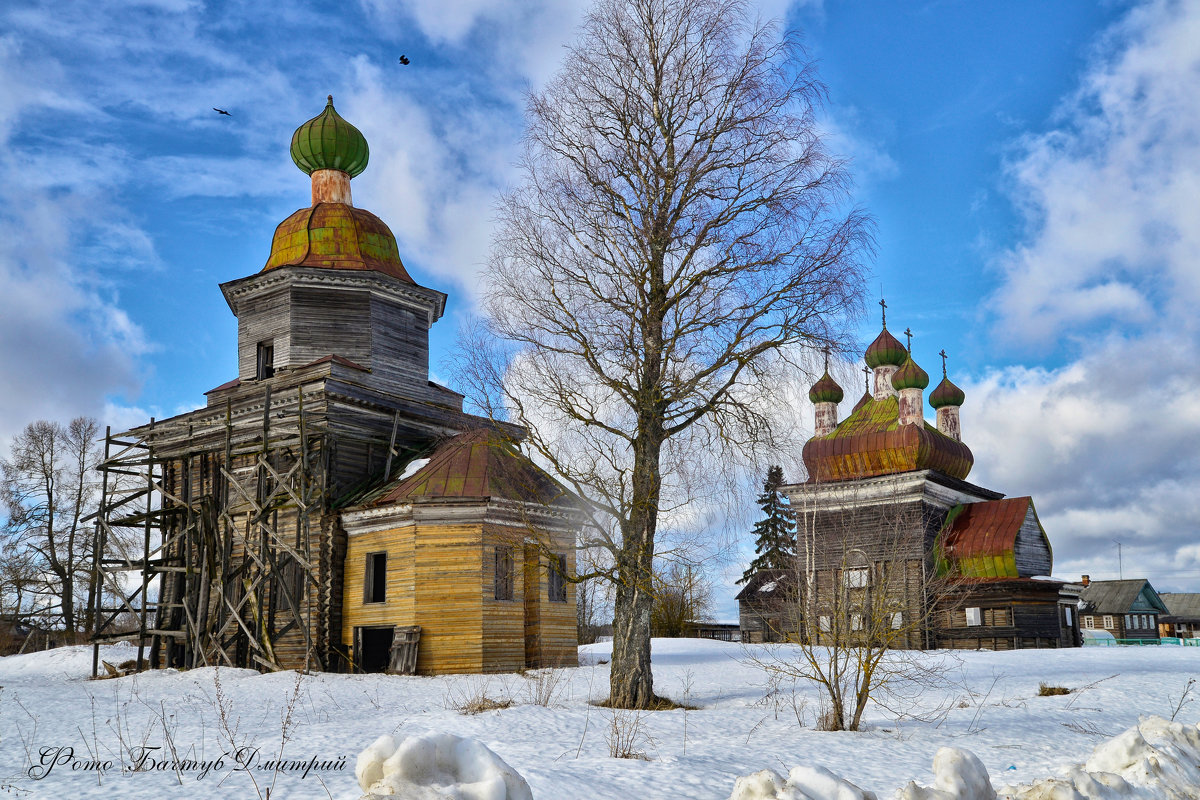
(374, 648)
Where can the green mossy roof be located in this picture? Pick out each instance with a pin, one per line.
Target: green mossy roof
(329, 142)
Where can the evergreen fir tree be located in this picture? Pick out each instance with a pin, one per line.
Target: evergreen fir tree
(776, 532)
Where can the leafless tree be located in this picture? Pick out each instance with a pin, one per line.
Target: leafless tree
(48, 485)
(866, 597)
(679, 238)
(682, 595)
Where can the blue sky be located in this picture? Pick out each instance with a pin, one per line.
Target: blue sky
(1033, 169)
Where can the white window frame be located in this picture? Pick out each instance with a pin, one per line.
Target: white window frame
(974, 617)
(856, 577)
(1109, 622)
(1089, 622)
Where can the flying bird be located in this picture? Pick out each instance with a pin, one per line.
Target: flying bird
(222, 111)
(404, 60)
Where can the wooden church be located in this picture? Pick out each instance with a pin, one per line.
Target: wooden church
(331, 507)
(894, 543)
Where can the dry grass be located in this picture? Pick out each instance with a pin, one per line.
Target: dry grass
(1046, 690)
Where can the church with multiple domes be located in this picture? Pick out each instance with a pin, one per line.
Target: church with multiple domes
(894, 543)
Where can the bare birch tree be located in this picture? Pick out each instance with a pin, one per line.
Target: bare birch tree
(679, 235)
(48, 485)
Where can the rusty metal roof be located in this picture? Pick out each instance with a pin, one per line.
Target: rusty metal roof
(336, 236)
(871, 441)
(980, 539)
(474, 464)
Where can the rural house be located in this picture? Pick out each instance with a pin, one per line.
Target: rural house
(1128, 609)
(1182, 619)
(893, 539)
(331, 507)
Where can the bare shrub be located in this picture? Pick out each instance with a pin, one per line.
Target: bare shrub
(544, 686)
(627, 736)
(472, 696)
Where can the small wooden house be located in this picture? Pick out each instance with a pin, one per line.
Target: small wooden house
(767, 607)
(1182, 619)
(474, 548)
(1128, 609)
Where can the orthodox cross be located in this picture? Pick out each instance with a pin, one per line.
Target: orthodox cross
(826, 359)
(943, 355)
(867, 379)
(908, 335)
(883, 305)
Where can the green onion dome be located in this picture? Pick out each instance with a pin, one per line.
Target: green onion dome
(946, 394)
(886, 349)
(910, 376)
(826, 390)
(329, 142)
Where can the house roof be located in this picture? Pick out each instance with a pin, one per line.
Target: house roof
(475, 464)
(1119, 597)
(768, 583)
(980, 539)
(1181, 604)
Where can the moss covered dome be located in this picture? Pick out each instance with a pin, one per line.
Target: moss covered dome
(329, 142)
(826, 390)
(946, 394)
(910, 376)
(886, 349)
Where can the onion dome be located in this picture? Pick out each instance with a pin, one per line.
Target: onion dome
(329, 142)
(946, 394)
(910, 376)
(826, 390)
(886, 349)
(336, 236)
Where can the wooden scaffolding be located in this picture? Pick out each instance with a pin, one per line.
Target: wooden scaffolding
(227, 514)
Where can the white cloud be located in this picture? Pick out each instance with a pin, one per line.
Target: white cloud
(1108, 444)
(1109, 194)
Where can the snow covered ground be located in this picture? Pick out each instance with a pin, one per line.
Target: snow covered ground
(53, 720)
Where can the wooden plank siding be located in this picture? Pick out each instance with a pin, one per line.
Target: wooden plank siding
(441, 577)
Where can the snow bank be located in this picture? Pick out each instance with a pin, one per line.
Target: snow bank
(1154, 760)
(803, 783)
(437, 766)
(957, 775)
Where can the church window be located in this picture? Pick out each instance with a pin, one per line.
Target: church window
(558, 579)
(897, 620)
(855, 578)
(503, 578)
(974, 617)
(265, 361)
(856, 622)
(375, 578)
(823, 623)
